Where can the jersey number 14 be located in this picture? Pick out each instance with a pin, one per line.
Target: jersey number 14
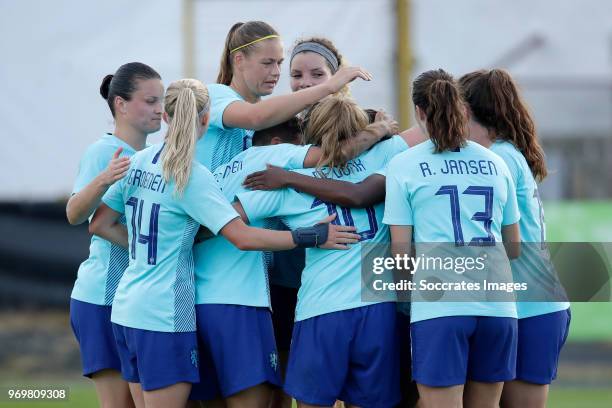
(151, 239)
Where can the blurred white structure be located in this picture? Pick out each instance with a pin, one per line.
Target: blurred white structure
(56, 53)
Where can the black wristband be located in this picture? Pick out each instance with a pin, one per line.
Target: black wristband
(308, 237)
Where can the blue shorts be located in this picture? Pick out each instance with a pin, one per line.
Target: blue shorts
(157, 359)
(283, 301)
(94, 332)
(540, 339)
(237, 350)
(449, 351)
(349, 355)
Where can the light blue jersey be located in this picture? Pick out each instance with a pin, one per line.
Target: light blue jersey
(331, 280)
(452, 197)
(220, 143)
(157, 289)
(99, 274)
(224, 274)
(534, 257)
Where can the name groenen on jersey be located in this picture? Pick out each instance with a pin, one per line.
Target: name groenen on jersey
(145, 179)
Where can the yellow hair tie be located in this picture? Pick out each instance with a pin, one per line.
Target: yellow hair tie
(255, 41)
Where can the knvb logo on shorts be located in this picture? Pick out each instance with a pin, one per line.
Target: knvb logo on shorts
(274, 360)
(194, 358)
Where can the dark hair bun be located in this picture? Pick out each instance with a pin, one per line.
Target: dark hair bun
(104, 88)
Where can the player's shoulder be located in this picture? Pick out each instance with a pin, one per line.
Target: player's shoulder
(395, 142)
(482, 152)
(200, 171)
(408, 156)
(150, 153)
(268, 150)
(242, 156)
(502, 166)
(505, 149)
(220, 90)
(509, 153)
(105, 144)
(397, 165)
(99, 153)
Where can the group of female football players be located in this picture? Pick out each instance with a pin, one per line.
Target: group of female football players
(180, 302)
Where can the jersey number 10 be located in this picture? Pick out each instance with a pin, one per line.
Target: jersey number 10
(347, 216)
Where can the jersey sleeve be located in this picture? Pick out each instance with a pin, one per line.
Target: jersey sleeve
(398, 145)
(114, 197)
(295, 155)
(258, 205)
(393, 147)
(382, 171)
(398, 209)
(94, 161)
(220, 98)
(511, 211)
(513, 165)
(204, 202)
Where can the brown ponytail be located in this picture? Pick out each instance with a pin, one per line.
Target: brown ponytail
(496, 104)
(437, 95)
(239, 35)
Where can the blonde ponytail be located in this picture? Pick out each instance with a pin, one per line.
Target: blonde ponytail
(186, 101)
(330, 124)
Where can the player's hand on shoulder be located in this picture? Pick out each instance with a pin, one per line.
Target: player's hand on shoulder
(390, 125)
(117, 168)
(273, 178)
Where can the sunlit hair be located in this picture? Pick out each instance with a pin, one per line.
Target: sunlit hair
(330, 122)
(186, 101)
(239, 35)
(495, 102)
(438, 96)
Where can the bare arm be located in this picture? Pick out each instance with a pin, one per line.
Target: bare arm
(82, 204)
(413, 136)
(248, 238)
(511, 237)
(277, 109)
(353, 195)
(383, 125)
(105, 224)
(401, 239)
